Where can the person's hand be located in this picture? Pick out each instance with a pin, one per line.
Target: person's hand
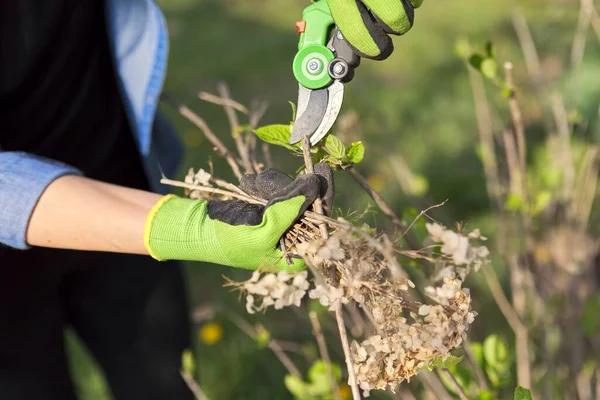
(236, 233)
(367, 24)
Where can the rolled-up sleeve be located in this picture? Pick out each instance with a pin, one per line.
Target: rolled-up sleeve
(23, 179)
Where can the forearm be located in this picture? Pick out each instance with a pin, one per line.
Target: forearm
(79, 213)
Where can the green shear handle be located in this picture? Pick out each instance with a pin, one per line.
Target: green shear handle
(323, 55)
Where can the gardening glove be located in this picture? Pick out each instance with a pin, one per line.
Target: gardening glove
(234, 233)
(367, 24)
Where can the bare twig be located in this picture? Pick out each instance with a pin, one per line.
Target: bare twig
(318, 204)
(479, 375)
(257, 111)
(273, 344)
(532, 60)
(459, 390)
(435, 385)
(193, 385)
(518, 126)
(221, 148)
(583, 23)
(564, 156)
(242, 147)
(513, 319)
(486, 137)
(211, 98)
(383, 205)
(506, 308)
(422, 213)
(339, 316)
(324, 353)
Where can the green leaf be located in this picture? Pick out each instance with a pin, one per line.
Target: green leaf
(506, 92)
(489, 68)
(477, 350)
(496, 353)
(591, 317)
(419, 185)
(462, 48)
(320, 384)
(277, 134)
(514, 202)
(296, 386)
(486, 395)
(449, 362)
(475, 60)
(522, 394)
(263, 338)
(356, 152)
(542, 199)
(188, 363)
(240, 129)
(335, 147)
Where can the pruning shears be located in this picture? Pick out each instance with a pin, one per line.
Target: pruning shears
(323, 64)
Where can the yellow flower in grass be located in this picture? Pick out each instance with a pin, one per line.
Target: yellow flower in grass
(211, 333)
(345, 392)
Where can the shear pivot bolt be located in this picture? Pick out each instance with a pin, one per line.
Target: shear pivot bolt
(338, 69)
(315, 66)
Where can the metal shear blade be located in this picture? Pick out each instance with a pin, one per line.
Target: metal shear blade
(317, 111)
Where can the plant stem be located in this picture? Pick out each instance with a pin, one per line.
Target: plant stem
(338, 310)
(382, 204)
(194, 387)
(211, 98)
(324, 353)
(476, 367)
(457, 386)
(518, 127)
(513, 319)
(273, 344)
(242, 147)
(208, 133)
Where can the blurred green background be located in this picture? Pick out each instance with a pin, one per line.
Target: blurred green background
(417, 105)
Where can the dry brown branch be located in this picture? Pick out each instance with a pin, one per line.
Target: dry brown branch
(422, 213)
(513, 319)
(193, 385)
(518, 126)
(486, 137)
(257, 111)
(211, 98)
(564, 156)
(242, 147)
(479, 375)
(273, 344)
(457, 387)
(532, 60)
(583, 23)
(324, 353)
(339, 316)
(383, 206)
(585, 191)
(220, 147)
(433, 383)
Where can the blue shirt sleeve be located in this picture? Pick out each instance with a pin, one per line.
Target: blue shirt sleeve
(23, 179)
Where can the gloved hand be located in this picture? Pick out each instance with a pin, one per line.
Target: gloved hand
(367, 24)
(233, 232)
